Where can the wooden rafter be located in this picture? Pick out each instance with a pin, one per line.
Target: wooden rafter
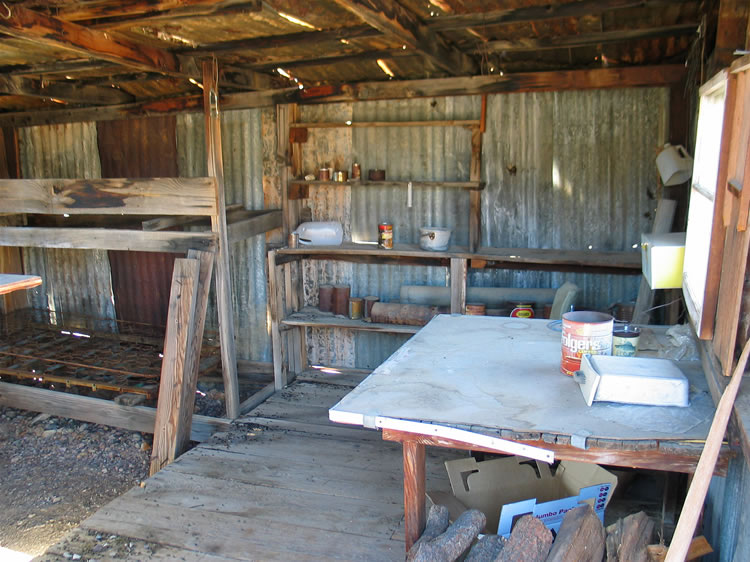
(285, 40)
(575, 9)
(396, 21)
(65, 91)
(54, 32)
(623, 77)
(132, 12)
(587, 39)
(354, 57)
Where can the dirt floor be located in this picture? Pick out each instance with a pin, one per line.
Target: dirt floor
(57, 471)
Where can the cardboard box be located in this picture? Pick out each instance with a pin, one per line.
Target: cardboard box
(507, 488)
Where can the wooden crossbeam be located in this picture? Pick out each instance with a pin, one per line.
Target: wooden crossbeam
(65, 91)
(285, 40)
(623, 77)
(132, 12)
(396, 21)
(586, 39)
(335, 59)
(545, 11)
(23, 23)
(121, 196)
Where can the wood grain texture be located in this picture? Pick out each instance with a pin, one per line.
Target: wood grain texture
(254, 225)
(458, 285)
(13, 282)
(96, 410)
(276, 311)
(414, 490)
(105, 239)
(215, 167)
(177, 341)
(647, 454)
(121, 196)
(475, 198)
(693, 506)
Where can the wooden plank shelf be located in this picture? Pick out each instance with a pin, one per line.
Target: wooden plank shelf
(313, 318)
(355, 124)
(298, 189)
(626, 263)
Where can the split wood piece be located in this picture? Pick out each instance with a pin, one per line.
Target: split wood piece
(182, 303)
(529, 541)
(193, 355)
(219, 227)
(475, 197)
(438, 520)
(486, 549)
(458, 285)
(404, 314)
(698, 547)
(628, 537)
(451, 544)
(275, 305)
(691, 509)
(580, 538)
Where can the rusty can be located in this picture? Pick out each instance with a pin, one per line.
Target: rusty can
(523, 310)
(355, 308)
(356, 171)
(385, 235)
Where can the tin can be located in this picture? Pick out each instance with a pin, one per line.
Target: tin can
(340, 175)
(324, 174)
(356, 171)
(522, 310)
(293, 239)
(355, 308)
(584, 333)
(385, 236)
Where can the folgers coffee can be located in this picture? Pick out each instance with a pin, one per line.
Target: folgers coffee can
(385, 236)
(584, 333)
(522, 310)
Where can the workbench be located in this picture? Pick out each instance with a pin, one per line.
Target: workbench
(10, 282)
(496, 380)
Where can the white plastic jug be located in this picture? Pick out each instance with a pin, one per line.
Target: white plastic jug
(674, 164)
(328, 233)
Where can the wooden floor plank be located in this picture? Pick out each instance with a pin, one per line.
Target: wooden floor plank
(371, 517)
(236, 536)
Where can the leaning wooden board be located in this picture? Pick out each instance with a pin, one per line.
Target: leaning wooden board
(12, 282)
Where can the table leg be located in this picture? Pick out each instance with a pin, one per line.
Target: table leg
(414, 494)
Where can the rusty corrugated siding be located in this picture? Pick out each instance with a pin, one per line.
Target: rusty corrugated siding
(74, 281)
(140, 148)
(242, 146)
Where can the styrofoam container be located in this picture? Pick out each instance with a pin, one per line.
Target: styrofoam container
(632, 380)
(320, 233)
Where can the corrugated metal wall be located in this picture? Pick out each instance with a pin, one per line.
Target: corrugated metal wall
(571, 170)
(75, 281)
(242, 147)
(563, 170)
(727, 514)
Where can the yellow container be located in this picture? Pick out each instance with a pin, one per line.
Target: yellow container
(662, 259)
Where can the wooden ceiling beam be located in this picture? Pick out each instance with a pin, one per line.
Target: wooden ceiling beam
(576, 9)
(54, 32)
(585, 39)
(389, 17)
(620, 77)
(337, 59)
(285, 40)
(64, 91)
(33, 26)
(134, 12)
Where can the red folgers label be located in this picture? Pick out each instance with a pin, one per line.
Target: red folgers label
(584, 333)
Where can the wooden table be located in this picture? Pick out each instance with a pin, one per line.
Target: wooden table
(10, 282)
(466, 381)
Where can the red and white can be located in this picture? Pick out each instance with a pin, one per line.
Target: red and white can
(584, 333)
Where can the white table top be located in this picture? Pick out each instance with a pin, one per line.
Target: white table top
(475, 372)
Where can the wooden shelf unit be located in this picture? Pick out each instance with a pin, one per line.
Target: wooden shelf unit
(290, 319)
(299, 188)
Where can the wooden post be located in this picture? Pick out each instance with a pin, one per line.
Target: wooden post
(219, 226)
(475, 197)
(193, 359)
(414, 491)
(458, 285)
(182, 302)
(277, 314)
